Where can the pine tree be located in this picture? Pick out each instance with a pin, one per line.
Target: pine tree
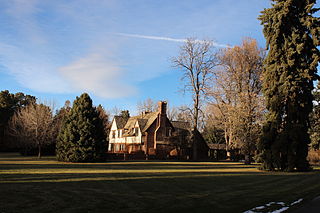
(292, 34)
(82, 137)
(315, 120)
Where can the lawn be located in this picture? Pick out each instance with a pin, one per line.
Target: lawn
(31, 185)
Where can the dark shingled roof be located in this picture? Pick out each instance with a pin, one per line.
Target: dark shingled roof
(217, 146)
(144, 121)
(181, 125)
(120, 121)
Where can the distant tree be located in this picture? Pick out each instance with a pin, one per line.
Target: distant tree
(196, 61)
(237, 98)
(81, 138)
(125, 114)
(213, 131)
(147, 105)
(60, 118)
(7, 107)
(9, 103)
(315, 120)
(32, 127)
(293, 36)
(104, 118)
(172, 113)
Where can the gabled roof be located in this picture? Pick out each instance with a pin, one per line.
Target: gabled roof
(120, 121)
(144, 121)
(181, 125)
(152, 116)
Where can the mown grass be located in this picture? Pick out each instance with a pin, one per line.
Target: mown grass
(31, 185)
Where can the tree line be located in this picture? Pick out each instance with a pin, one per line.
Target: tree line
(74, 133)
(259, 101)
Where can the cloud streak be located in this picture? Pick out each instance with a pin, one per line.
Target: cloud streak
(166, 39)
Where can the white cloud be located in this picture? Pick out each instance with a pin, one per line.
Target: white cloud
(36, 73)
(165, 38)
(99, 75)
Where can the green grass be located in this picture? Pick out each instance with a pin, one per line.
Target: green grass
(31, 185)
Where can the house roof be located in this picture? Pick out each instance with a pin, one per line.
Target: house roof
(120, 121)
(181, 125)
(144, 121)
(217, 146)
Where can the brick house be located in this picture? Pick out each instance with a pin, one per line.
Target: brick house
(148, 133)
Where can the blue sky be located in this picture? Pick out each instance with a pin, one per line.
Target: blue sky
(116, 50)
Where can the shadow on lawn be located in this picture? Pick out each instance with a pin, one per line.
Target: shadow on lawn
(128, 167)
(49, 186)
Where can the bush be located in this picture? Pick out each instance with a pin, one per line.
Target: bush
(314, 156)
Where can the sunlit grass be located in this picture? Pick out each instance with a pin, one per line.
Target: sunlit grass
(28, 184)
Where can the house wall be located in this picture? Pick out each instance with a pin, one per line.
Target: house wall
(120, 144)
(150, 145)
(136, 138)
(116, 141)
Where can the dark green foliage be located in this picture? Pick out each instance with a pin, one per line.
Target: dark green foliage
(125, 114)
(82, 135)
(292, 34)
(9, 103)
(315, 120)
(104, 117)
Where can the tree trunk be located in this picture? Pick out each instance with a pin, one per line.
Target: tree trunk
(194, 146)
(247, 160)
(39, 151)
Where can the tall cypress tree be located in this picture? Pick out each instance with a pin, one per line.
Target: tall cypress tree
(292, 34)
(81, 138)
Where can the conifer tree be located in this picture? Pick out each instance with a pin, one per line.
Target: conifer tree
(315, 120)
(81, 138)
(292, 34)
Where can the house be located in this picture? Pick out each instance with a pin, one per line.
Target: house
(148, 133)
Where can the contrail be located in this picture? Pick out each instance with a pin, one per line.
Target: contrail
(165, 39)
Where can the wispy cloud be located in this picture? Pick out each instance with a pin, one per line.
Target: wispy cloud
(36, 73)
(98, 74)
(165, 38)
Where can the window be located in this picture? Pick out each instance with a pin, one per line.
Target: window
(122, 146)
(136, 130)
(119, 133)
(113, 133)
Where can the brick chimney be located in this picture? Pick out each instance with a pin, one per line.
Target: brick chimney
(162, 107)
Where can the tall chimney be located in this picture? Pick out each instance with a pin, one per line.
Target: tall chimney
(162, 107)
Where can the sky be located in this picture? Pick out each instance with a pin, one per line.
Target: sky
(118, 51)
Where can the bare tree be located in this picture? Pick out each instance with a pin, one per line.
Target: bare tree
(196, 61)
(172, 113)
(147, 105)
(237, 95)
(32, 126)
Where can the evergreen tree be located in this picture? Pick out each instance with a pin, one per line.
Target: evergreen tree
(125, 114)
(81, 138)
(292, 34)
(315, 120)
